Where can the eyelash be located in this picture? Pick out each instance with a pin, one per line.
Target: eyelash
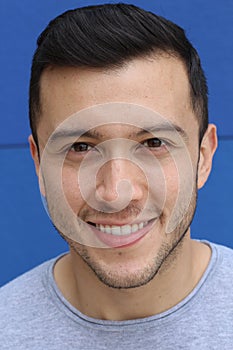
(160, 144)
(78, 144)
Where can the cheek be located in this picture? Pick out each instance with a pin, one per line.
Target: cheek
(71, 187)
(172, 184)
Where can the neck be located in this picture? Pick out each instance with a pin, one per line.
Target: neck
(176, 278)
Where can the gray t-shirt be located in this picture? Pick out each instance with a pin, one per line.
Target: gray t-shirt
(34, 315)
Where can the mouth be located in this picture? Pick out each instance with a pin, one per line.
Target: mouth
(121, 235)
(118, 230)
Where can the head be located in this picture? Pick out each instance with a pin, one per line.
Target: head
(120, 53)
(108, 36)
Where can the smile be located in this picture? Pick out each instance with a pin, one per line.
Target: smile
(121, 235)
(123, 230)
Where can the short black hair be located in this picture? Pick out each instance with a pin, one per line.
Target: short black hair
(107, 36)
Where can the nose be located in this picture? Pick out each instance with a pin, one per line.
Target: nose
(119, 181)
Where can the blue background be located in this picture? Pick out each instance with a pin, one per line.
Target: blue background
(27, 236)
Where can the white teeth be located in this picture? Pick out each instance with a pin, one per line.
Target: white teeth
(121, 230)
(134, 227)
(107, 229)
(126, 230)
(116, 230)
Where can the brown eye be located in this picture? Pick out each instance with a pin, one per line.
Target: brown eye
(153, 143)
(80, 147)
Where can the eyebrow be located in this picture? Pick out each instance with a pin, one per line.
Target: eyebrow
(74, 133)
(93, 133)
(164, 127)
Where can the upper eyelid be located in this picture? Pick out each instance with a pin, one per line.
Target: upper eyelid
(157, 138)
(96, 144)
(82, 142)
(85, 143)
(140, 142)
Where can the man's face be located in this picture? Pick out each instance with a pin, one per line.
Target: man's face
(133, 195)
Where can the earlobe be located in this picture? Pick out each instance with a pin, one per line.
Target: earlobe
(207, 150)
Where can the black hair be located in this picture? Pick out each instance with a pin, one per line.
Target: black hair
(107, 36)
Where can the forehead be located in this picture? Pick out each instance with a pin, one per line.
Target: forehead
(160, 84)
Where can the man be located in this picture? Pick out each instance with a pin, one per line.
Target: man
(121, 144)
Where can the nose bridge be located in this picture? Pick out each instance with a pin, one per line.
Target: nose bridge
(110, 175)
(114, 171)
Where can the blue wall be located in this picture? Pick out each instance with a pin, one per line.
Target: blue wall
(27, 237)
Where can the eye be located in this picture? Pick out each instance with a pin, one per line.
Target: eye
(153, 143)
(80, 147)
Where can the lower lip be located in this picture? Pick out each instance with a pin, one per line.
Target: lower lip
(112, 241)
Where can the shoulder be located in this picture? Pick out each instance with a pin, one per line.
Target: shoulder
(220, 274)
(224, 256)
(20, 297)
(23, 284)
(25, 305)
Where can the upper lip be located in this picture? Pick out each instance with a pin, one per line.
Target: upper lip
(118, 223)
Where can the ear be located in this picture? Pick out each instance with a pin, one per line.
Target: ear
(36, 158)
(34, 153)
(207, 149)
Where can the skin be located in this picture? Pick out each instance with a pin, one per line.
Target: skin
(161, 269)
